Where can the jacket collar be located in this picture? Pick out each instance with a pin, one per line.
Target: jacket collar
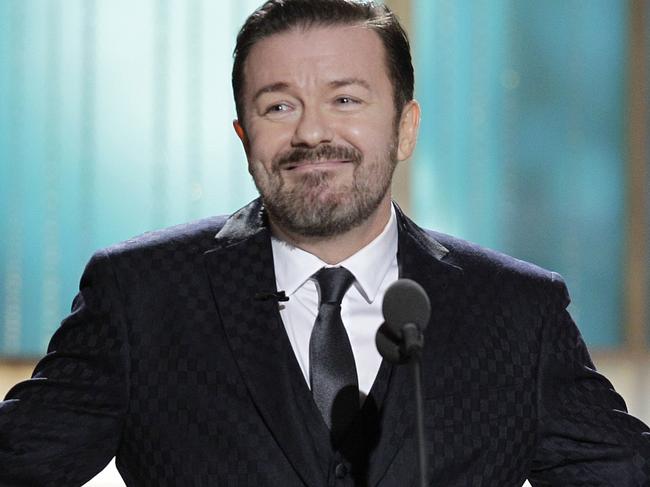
(251, 221)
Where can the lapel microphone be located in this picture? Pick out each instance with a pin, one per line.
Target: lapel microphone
(278, 296)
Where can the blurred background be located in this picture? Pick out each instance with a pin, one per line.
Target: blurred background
(115, 119)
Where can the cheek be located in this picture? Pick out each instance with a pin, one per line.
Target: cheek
(370, 137)
(266, 143)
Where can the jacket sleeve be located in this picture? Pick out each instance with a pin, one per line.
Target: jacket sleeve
(586, 436)
(63, 426)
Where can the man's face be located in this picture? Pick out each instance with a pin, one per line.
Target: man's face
(319, 127)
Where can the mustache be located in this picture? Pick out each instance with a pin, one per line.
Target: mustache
(323, 152)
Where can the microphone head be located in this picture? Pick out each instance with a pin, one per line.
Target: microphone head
(405, 302)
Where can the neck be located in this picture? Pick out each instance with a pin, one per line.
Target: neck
(337, 248)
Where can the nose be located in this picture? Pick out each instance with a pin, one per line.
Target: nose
(312, 129)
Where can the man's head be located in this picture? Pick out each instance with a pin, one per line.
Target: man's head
(276, 16)
(319, 116)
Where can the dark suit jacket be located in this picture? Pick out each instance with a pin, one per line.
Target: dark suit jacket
(170, 362)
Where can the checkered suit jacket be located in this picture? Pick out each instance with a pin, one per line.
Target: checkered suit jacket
(171, 362)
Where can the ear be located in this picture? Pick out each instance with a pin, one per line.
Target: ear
(239, 130)
(407, 131)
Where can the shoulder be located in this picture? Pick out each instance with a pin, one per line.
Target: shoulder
(193, 237)
(499, 268)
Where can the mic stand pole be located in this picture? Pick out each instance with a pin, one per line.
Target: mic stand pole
(419, 420)
(413, 343)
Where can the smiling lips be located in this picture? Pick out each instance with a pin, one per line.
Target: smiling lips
(323, 157)
(316, 165)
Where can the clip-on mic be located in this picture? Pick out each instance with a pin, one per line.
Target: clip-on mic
(278, 296)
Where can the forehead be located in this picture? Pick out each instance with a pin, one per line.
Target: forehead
(304, 55)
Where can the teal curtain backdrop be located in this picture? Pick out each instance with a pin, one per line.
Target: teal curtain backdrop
(522, 144)
(115, 118)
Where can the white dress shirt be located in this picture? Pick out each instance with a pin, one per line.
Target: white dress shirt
(374, 268)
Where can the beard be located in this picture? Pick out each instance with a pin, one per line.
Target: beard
(316, 204)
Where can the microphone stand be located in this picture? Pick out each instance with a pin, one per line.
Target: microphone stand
(400, 340)
(412, 347)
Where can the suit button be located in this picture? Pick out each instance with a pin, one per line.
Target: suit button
(340, 471)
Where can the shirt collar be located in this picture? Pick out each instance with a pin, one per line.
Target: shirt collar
(294, 266)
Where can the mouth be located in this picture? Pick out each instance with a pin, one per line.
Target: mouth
(316, 165)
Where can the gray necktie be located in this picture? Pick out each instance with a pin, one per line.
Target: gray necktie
(332, 371)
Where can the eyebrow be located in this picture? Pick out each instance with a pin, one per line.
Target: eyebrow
(339, 83)
(349, 81)
(273, 87)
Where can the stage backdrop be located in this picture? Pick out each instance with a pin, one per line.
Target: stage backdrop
(523, 142)
(115, 118)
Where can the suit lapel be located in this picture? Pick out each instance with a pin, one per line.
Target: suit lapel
(240, 268)
(422, 259)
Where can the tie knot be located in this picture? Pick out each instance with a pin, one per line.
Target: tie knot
(333, 283)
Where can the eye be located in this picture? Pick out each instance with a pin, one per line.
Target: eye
(277, 108)
(346, 103)
(346, 100)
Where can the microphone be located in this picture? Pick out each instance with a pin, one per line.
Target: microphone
(406, 310)
(278, 296)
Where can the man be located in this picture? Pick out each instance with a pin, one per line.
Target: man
(183, 357)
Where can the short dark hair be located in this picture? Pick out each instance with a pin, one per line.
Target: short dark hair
(276, 16)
